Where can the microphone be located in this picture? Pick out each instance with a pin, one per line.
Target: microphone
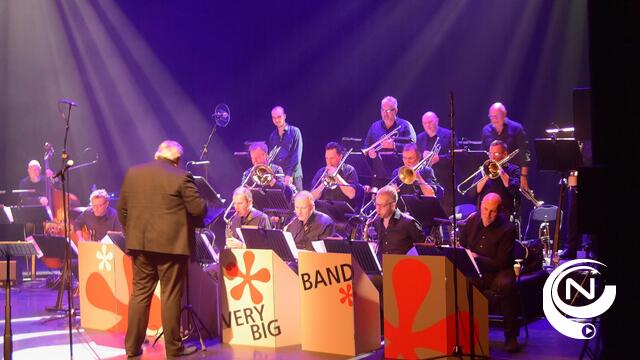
(68, 102)
(64, 169)
(220, 115)
(205, 162)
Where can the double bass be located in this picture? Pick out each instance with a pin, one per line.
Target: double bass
(55, 227)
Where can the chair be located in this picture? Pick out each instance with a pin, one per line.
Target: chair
(545, 215)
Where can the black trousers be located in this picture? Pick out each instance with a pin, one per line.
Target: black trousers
(500, 289)
(148, 269)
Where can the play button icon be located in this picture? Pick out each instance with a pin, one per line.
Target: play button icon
(588, 331)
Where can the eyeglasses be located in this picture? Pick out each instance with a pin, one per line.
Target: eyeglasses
(388, 111)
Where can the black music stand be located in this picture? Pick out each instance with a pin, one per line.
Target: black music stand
(340, 211)
(7, 250)
(359, 249)
(55, 246)
(277, 240)
(34, 214)
(215, 204)
(424, 209)
(205, 252)
(271, 201)
(117, 238)
(360, 162)
(457, 255)
(561, 155)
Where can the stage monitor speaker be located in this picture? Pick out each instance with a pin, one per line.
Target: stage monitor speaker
(582, 113)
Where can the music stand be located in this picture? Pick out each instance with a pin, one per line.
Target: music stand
(205, 253)
(270, 200)
(424, 209)
(215, 204)
(34, 214)
(360, 162)
(359, 249)
(7, 250)
(340, 211)
(561, 155)
(117, 238)
(12, 232)
(281, 242)
(459, 256)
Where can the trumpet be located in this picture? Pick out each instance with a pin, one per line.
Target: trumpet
(528, 194)
(376, 146)
(331, 180)
(489, 168)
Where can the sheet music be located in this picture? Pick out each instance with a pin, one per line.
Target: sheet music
(291, 243)
(473, 261)
(318, 246)
(32, 241)
(7, 210)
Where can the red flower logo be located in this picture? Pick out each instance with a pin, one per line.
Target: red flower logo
(401, 340)
(346, 295)
(231, 271)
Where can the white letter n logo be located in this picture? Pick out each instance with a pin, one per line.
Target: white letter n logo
(591, 294)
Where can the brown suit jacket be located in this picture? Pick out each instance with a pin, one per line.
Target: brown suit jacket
(159, 208)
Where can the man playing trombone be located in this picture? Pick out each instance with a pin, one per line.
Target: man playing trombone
(383, 133)
(259, 175)
(415, 177)
(337, 180)
(505, 182)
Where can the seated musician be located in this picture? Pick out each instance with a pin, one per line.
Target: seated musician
(389, 122)
(245, 215)
(396, 231)
(35, 181)
(259, 156)
(97, 219)
(309, 224)
(506, 185)
(346, 177)
(425, 183)
(491, 239)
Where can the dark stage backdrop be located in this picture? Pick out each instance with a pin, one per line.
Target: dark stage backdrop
(143, 71)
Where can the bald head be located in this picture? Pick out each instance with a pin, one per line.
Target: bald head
(489, 208)
(430, 122)
(497, 115)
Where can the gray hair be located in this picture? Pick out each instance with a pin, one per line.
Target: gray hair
(390, 99)
(100, 193)
(241, 190)
(306, 196)
(170, 150)
(390, 191)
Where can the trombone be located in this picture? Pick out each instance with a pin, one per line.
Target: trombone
(331, 180)
(376, 146)
(490, 168)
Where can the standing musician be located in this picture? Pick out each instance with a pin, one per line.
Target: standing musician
(425, 183)
(159, 208)
(389, 122)
(346, 177)
(491, 239)
(245, 215)
(289, 139)
(506, 185)
(441, 163)
(35, 181)
(512, 134)
(98, 219)
(309, 224)
(396, 231)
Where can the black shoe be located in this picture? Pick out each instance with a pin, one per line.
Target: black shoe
(186, 350)
(511, 345)
(134, 355)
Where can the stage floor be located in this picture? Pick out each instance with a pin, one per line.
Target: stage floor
(35, 339)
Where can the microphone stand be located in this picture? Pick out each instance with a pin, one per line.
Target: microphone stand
(457, 348)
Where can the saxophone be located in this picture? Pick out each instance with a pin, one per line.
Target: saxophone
(365, 233)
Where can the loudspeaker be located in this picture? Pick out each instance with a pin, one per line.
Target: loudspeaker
(582, 113)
